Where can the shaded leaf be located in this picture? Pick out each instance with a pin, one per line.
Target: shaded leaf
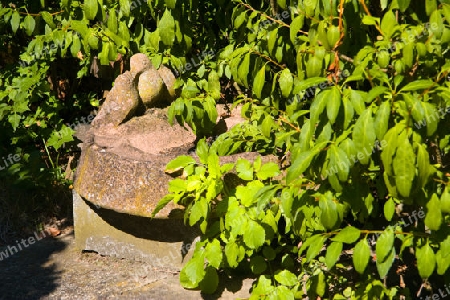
(426, 260)
(361, 256)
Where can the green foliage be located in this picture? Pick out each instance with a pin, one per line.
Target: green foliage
(352, 96)
(359, 112)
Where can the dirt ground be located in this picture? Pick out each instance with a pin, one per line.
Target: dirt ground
(53, 269)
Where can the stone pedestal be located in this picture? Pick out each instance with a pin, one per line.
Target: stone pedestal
(162, 243)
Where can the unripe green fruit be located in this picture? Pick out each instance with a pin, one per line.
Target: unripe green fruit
(445, 201)
(319, 52)
(93, 42)
(421, 49)
(408, 55)
(445, 38)
(399, 67)
(333, 35)
(313, 67)
(76, 45)
(310, 10)
(322, 36)
(383, 59)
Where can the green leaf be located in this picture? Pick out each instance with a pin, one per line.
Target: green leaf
(357, 99)
(243, 70)
(161, 204)
(426, 260)
(433, 217)
(171, 3)
(250, 193)
(389, 209)
(193, 272)
(268, 170)
(76, 45)
(422, 84)
(361, 256)
(415, 106)
(437, 24)
(232, 253)
(167, 28)
(404, 167)
(333, 103)
(259, 81)
(286, 278)
(112, 21)
(295, 26)
(385, 243)
(340, 162)
(369, 20)
(273, 36)
(124, 33)
(329, 214)
(382, 120)
(254, 235)
(104, 54)
(388, 24)
(210, 281)
(286, 82)
(125, 7)
(403, 4)
(258, 264)
(198, 211)
(264, 286)
(214, 85)
(375, 92)
(364, 135)
(446, 12)
(15, 21)
(266, 126)
(349, 112)
(214, 165)
(179, 163)
(430, 6)
(177, 185)
(315, 248)
(202, 151)
(348, 235)
(333, 253)
(432, 117)
(29, 24)
(90, 9)
(244, 169)
(213, 253)
(383, 267)
(302, 162)
(318, 106)
(442, 262)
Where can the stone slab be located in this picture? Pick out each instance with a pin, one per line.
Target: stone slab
(162, 243)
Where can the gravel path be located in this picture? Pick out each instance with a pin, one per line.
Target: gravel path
(53, 269)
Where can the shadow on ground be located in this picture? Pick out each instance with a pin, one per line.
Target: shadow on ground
(28, 274)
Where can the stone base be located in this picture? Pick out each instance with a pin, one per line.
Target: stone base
(163, 243)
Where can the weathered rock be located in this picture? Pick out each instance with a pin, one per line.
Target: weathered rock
(140, 88)
(139, 63)
(120, 104)
(123, 168)
(151, 87)
(169, 80)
